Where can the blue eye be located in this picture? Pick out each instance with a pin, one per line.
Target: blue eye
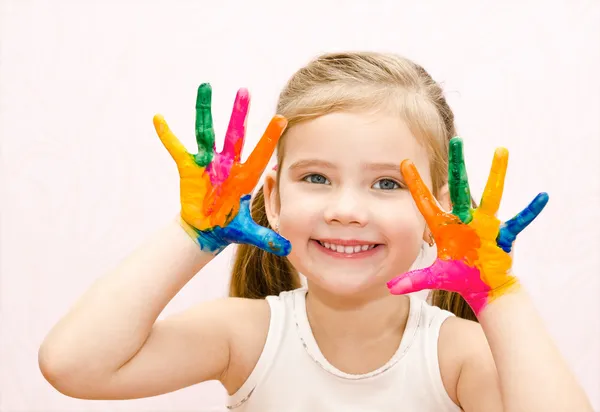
(386, 184)
(316, 179)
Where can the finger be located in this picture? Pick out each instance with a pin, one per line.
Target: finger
(458, 183)
(492, 194)
(256, 163)
(415, 280)
(511, 228)
(170, 141)
(426, 203)
(243, 229)
(234, 139)
(205, 134)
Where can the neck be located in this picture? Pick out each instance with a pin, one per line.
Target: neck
(365, 318)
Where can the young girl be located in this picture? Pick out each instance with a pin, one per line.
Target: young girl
(342, 211)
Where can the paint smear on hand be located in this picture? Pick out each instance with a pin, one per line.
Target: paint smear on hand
(472, 258)
(215, 187)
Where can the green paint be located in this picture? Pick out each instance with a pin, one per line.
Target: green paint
(458, 182)
(205, 134)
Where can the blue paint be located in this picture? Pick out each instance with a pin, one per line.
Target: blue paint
(511, 228)
(243, 229)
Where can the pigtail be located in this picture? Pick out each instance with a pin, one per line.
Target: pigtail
(257, 273)
(452, 302)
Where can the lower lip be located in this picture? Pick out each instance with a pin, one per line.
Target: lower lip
(339, 255)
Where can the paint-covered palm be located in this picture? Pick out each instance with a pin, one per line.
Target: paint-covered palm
(472, 258)
(215, 187)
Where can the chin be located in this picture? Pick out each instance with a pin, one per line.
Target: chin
(348, 275)
(345, 282)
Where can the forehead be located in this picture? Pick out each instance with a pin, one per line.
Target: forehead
(351, 138)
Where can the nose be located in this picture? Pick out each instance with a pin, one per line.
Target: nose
(348, 208)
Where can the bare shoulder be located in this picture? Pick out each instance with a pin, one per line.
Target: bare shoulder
(247, 322)
(466, 362)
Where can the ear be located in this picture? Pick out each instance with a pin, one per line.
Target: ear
(271, 198)
(443, 199)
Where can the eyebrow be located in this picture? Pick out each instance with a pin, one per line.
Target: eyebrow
(383, 166)
(300, 164)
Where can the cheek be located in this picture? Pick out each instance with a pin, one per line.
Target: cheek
(398, 219)
(402, 227)
(298, 212)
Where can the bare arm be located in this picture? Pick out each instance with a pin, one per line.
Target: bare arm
(502, 373)
(533, 374)
(474, 260)
(108, 345)
(467, 366)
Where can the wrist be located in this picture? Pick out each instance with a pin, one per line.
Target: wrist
(207, 240)
(480, 301)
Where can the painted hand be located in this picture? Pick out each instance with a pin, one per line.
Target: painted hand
(473, 247)
(215, 187)
(460, 195)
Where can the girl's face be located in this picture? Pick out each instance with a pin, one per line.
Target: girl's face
(343, 203)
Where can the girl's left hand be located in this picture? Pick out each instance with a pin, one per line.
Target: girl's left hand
(472, 246)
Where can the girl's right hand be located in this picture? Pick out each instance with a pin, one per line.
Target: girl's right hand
(215, 187)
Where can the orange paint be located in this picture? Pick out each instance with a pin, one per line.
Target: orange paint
(473, 244)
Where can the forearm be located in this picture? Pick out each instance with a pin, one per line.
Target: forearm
(113, 319)
(533, 374)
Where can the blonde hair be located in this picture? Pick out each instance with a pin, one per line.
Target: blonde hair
(356, 81)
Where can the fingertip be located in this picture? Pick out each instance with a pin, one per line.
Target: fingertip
(159, 123)
(243, 94)
(280, 121)
(407, 166)
(204, 95)
(456, 142)
(285, 249)
(410, 173)
(502, 154)
(281, 246)
(242, 100)
(400, 286)
(540, 202)
(543, 197)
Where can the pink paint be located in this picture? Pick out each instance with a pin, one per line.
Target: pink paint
(219, 169)
(450, 275)
(234, 139)
(222, 162)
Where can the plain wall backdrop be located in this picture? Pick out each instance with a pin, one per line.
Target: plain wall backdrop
(85, 178)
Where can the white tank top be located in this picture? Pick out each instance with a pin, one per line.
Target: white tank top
(293, 375)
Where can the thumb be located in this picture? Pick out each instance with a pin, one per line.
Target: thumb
(243, 229)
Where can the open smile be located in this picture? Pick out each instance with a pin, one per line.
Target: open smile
(347, 248)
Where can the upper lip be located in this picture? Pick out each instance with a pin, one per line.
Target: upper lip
(347, 242)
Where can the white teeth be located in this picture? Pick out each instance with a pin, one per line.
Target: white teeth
(347, 249)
